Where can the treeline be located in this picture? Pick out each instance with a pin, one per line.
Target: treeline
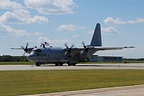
(8, 58)
(133, 60)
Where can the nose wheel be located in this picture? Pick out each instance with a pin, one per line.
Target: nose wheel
(38, 64)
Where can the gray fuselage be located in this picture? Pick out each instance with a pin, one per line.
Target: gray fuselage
(59, 55)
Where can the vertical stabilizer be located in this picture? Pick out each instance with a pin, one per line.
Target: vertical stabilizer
(96, 39)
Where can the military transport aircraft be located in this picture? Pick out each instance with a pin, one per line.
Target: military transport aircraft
(69, 55)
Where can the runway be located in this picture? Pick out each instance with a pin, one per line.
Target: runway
(77, 67)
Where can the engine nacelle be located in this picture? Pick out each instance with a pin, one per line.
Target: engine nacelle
(83, 54)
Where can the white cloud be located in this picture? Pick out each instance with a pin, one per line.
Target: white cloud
(90, 32)
(52, 42)
(38, 19)
(13, 31)
(110, 30)
(21, 16)
(8, 4)
(38, 34)
(69, 27)
(15, 13)
(110, 20)
(75, 35)
(18, 14)
(51, 6)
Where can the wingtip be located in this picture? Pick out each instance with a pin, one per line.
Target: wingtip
(130, 47)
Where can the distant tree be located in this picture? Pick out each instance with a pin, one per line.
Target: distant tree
(8, 58)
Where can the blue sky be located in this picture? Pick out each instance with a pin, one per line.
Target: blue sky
(72, 22)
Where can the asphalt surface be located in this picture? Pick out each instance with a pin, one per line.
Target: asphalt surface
(136, 90)
(65, 67)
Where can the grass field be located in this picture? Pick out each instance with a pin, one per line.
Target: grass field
(14, 83)
(16, 63)
(32, 63)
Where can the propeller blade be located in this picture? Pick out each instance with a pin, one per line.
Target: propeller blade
(26, 46)
(83, 44)
(22, 47)
(72, 46)
(41, 44)
(24, 53)
(86, 48)
(66, 46)
(68, 51)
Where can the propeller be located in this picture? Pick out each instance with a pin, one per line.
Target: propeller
(42, 45)
(85, 51)
(68, 49)
(25, 49)
(85, 47)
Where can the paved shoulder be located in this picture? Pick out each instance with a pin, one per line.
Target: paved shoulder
(65, 67)
(136, 90)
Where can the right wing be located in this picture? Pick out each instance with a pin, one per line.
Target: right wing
(111, 48)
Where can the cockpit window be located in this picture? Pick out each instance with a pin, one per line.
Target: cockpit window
(38, 50)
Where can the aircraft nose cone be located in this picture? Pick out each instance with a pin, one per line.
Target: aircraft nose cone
(30, 58)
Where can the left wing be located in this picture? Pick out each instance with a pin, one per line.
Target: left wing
(26, 49)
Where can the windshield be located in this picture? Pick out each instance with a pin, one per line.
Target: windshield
(35, 50)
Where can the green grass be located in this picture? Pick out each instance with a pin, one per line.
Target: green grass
(16, 63)
(14, 83)
(31, 63)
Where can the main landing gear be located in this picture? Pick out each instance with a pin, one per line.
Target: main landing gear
(58, 64)
(71, 64)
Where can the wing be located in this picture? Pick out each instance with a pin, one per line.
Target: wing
(91, 50)
(17, 48)
(112, 48)
(27, 50)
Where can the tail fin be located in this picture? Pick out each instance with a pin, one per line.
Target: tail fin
(96, 39)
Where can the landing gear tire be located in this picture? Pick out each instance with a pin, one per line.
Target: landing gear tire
(74, 64)
(58, 64)
(38, 64)
(61, 64)
(71, 64)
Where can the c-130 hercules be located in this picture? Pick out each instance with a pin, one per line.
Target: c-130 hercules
(69, 55)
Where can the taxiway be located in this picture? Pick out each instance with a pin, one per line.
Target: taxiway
(65, 67)
(136, 90)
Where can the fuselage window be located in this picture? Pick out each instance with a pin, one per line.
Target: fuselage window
(41, 55)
